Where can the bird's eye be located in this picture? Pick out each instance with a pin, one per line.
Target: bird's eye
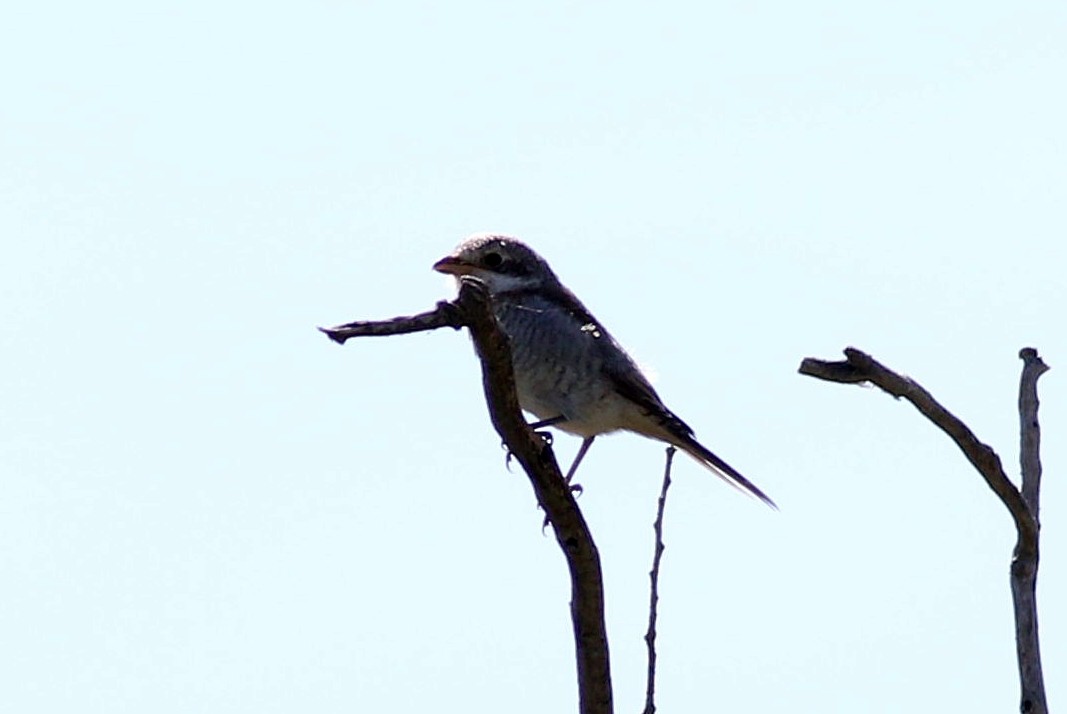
(493, 260)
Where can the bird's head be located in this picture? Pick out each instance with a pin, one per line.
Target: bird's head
(501, 262)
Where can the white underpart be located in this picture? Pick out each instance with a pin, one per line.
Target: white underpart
(498, 283)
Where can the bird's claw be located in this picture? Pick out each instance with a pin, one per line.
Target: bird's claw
(576, 489)
(546, 437)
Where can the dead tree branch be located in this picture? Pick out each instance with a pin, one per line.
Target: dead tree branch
(1022, 503)
(472, 309)
(1024, 564)
(446, 315)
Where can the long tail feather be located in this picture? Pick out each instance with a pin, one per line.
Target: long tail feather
(721, 469)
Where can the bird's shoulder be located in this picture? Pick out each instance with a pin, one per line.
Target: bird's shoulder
(558, 303)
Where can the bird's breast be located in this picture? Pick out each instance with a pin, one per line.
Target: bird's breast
(560, 368)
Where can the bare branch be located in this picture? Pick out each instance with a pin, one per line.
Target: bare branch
(553, 493)
(861, 367)
(472, 309)
(1029, 430)
(1022, 503)
(1025, 562)
(445, 315)
(653, 604)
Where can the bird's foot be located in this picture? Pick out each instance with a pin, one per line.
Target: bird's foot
(575, 489)
(546, 436)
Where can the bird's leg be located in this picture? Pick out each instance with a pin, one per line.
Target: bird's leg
(586, 443)
(547, 422)
(574, 487)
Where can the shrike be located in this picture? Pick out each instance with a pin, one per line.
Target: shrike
(569, 372)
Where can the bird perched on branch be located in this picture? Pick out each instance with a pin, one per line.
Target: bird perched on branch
(569, 372)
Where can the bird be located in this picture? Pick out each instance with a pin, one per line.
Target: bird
(570, 372)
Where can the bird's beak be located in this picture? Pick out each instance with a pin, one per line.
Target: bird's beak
(451, 265)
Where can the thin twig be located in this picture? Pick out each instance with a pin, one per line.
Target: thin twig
(653, 604)
(473, 310)
(1022, 503)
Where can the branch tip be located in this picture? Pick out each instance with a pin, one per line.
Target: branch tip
(1031, 358)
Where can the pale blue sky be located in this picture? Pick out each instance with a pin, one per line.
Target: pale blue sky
(206, 506)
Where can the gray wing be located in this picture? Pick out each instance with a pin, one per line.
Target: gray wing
(613, 361)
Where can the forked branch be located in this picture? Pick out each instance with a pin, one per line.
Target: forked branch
(1022, 503)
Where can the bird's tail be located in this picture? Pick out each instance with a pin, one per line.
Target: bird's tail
(720, 468)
